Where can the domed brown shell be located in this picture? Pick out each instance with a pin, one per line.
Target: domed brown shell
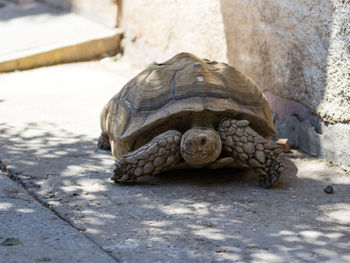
(169, 95)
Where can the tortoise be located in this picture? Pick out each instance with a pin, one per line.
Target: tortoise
(189, 113)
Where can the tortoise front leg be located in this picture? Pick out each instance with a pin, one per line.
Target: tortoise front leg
(154, 157)
(246, 145)
(103, 142)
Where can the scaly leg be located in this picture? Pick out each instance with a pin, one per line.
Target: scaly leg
(246, 145)
(103, 142)
(154, 157)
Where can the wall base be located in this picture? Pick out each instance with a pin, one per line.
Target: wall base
(309, 133)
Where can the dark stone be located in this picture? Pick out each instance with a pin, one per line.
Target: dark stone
(329, 189)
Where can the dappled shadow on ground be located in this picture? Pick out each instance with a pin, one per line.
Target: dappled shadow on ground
(192, 215)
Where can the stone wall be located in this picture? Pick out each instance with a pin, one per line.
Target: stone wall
(298, 52)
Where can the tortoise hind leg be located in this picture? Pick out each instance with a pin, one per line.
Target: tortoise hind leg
(246, 145)
(103, 142)
(156, 156)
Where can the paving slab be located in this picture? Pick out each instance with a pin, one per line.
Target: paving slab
(48, 135)
(36, 34)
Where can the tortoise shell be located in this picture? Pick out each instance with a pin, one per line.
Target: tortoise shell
(171, 94)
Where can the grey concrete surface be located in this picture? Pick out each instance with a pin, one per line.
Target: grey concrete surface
(36, 34)
(45, 237)
(48, 134)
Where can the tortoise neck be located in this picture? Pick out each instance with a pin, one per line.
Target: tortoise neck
(202, 120)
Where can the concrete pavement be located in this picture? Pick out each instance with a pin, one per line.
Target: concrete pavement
(48, 134)
(35, 34)
(44, 236)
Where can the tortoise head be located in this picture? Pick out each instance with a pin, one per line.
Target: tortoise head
(200, 146)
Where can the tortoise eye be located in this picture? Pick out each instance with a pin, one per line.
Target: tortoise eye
(203, 141)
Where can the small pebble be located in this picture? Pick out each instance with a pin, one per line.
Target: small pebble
(329, 189)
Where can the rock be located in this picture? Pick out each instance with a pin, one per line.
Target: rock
(329, 190)
(284, 144)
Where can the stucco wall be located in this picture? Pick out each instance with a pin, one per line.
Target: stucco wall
(295, 50)
(174, 26)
